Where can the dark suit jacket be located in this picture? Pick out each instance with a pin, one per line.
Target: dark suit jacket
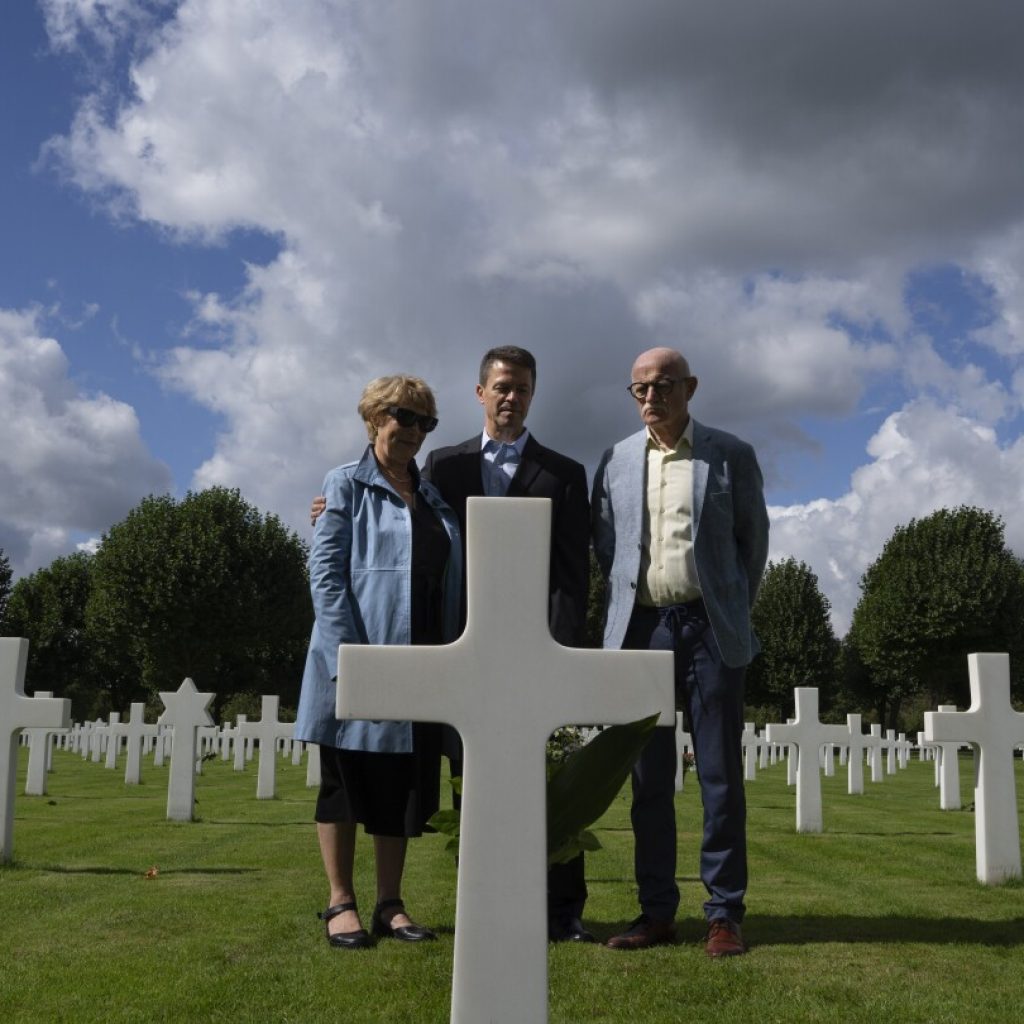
(542, 473)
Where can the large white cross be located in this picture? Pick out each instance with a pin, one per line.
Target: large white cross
(808, 735)
(186, 711)
(994, 729)
(505, 685)
(16, 713)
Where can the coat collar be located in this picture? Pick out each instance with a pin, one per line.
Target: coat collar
(368, 471)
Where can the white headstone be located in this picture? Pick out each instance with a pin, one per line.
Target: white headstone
(858, 743)
(267, 730)
(135, 733)
(875, 753)
(312, 765)
(186, 712)
(807, 734)
(750, 747)
(39, 743)
(114, 734)
(500, 973)
(994, 729)
(18, 712)
(240, 744)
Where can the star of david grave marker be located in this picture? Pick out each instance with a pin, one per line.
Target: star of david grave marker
(186, 712)
(505, 685)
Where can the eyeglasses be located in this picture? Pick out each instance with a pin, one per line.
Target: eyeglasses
(638, 389)
(407, 417)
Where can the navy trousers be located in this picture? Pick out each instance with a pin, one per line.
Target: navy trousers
(711, 696)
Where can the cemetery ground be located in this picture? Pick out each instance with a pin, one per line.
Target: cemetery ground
(879, 917)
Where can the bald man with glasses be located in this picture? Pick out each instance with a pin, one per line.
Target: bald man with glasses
(680, 532)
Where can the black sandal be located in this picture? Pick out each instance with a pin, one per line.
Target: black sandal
(358, 939)
(404, 933)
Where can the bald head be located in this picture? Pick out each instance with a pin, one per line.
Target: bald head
(663, 360)
(664, 402)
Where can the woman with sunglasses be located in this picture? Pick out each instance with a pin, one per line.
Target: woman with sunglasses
(385, 568)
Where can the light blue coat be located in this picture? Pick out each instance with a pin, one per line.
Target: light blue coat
(730, 534)
(360, 578)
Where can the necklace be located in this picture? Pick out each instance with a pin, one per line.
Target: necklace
(399, 481)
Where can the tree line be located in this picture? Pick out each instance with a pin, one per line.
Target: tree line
(206, 587)
(209, 587)
(944, 586)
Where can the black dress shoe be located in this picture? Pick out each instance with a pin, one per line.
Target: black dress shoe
(568, 929)
(404, 933)
(359, 939)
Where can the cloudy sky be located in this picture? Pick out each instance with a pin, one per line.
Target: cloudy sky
(220, 218)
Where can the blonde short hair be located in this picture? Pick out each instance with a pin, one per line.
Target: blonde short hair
(398, 389)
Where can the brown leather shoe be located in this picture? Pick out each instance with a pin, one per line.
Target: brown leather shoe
(724, 938)
(644, 932)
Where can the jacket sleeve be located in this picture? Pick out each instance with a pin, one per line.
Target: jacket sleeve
(571, 561)
(750, 521)
(602, 519)
(330, 579)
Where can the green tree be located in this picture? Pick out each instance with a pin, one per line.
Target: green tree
(48, 609)
(5, 587)
(943, 586)
(798, 646)
(206, 587)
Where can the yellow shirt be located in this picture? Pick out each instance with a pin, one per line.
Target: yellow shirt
(668, 573)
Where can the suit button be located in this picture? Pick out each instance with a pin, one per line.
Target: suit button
(632, 586)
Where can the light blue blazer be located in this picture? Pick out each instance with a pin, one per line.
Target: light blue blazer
(360, 578)
(730, 534)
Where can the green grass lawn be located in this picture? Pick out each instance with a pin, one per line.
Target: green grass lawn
(878, 918)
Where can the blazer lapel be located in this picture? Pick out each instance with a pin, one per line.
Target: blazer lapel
(700, 473)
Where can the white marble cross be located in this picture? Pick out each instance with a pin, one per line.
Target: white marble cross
(267, 730)
(505, 685)
(947, 771)
(186, 712)
(750, 743)
(18, 712)
(875, 753)
(135, 732)
(858, 743)
(994, 729)
(114, 734)
(807, 734)
(40, 746)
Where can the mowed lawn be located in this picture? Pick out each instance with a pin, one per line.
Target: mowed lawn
(878, 918)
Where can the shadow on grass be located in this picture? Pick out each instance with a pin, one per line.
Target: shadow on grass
(764, 930)
(774, 930)
(58, 869)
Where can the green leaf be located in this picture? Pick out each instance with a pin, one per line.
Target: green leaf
(589, 780)
(446, 822)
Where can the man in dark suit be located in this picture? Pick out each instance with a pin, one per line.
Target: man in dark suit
(506, 460)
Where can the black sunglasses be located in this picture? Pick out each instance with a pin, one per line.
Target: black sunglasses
(406, 418)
